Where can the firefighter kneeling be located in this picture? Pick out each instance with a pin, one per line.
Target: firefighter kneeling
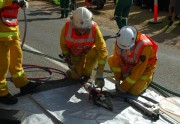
(81, 40)
(134, 61)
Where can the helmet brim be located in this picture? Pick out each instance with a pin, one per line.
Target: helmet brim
(126, 47)
(131, 45)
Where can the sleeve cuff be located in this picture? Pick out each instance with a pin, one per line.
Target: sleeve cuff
(125, 86)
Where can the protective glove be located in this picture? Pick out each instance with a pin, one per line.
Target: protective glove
(118, 88)
(117, 84)
(99, 80)
(67, 59)
(23, 3)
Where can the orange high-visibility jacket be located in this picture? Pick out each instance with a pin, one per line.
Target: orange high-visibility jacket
(8, 32)
(93, 37)
(129, 61)
(79, 44)
(9, 15)
(140, 63)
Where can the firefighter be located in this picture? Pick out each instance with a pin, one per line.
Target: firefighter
(64, 4)
(81, 40)
(133, 61)
(122, 11)
(10, 51)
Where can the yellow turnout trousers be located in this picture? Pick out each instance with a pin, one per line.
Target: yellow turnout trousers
(84, 63)
(140, 85)
(11, 59)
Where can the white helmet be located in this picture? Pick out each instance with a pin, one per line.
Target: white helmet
(126, 37)
(82, 18)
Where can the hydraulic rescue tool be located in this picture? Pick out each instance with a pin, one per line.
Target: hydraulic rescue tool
(99, 97)
(151, 110)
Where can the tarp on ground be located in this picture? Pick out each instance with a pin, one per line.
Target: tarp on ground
(70, 105)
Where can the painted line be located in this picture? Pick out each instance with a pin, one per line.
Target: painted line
(51, 60)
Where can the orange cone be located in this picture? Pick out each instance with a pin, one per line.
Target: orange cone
(155, 21)
(87, 4)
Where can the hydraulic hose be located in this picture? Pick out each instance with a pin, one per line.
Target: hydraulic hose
(28, 66)
(165, 89)
(25, 28)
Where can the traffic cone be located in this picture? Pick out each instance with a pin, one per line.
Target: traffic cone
(87, 4)
(155, 21)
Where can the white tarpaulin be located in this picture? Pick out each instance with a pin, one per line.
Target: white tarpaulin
(70, 105)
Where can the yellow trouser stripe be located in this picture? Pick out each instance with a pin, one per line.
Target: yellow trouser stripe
(116, 69)
(145, 77)
(130, 81)
(8, 34)
(65, 53)
(19, 74)
(101, 62)
(1, 3)
(2, 85)
(75, 59)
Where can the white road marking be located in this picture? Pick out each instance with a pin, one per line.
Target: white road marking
(51, 60)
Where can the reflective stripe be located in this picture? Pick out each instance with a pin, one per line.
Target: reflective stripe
(64, 9)
(120, 17)
(69, 38)
(65, 53)
(130, 81)
(19, 74)
(123, 17)
(116, 69)
(75, 58)
(145, 77)
(1, 3)
(10, 21)
(101, 62)
(2, 85)
(9, 34)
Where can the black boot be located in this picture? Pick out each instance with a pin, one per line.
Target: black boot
(29, 88)
(86, 79)
(170, 23)
(8, 99)
(66, 13)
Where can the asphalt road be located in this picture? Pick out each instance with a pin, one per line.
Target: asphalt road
(43, 32)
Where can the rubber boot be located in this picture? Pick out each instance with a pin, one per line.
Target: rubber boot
(62, 14)
(29, 88)
(66, 13)
(8, 99)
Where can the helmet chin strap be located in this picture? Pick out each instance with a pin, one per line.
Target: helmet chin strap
(82, 32)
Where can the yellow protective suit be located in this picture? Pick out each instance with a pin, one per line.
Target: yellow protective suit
(85, 63)
(10, 55)
(141, 73)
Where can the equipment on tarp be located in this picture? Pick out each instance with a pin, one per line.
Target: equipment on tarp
(98, 96)
(168, 107)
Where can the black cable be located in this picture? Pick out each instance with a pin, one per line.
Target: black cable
(159, 90)
(28, 66)
(165, 89)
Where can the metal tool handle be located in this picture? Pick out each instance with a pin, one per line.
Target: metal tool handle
(154, 116)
